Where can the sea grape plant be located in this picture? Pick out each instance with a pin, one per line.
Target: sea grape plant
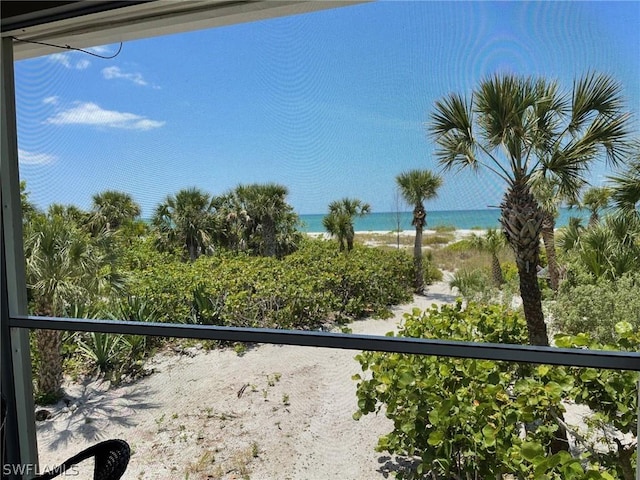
(470, 418)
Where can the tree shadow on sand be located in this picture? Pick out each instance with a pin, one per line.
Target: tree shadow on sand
(86, 413)
(440, 297)
(390, 466)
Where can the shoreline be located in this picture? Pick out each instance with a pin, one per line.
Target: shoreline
(459, 233)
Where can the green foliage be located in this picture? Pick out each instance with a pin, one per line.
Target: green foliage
(472, 284)
(464, 245)
(510, 272)
(437, 239)
(301, 290)
(100, 349)
(339, 221)
(613, 397)
(608, 249)
(598, 307)
(431, 272)
(467, 418)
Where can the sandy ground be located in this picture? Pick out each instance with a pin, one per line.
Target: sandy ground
(277, 412)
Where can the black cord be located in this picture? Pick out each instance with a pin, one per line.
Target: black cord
(68, 47)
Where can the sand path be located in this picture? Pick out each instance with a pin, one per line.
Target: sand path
(277, 412)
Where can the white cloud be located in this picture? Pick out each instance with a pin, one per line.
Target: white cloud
(91, 114)
(100, 49)
(83, 64)
(61, 58)
(53, 100)
(65, 60)
(32, 158)
(114, 72)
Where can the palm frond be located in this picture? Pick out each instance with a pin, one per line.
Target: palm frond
(594, 94)
(453, 113)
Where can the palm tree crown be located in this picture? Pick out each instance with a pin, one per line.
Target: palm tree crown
(339, 221)
(112, 208)
(625, 188)
(186, 221)
(522, 128)
(596, 199)
(270, 217)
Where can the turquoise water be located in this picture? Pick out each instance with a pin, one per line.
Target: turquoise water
(460, 219)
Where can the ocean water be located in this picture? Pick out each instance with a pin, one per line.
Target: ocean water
(460, 219)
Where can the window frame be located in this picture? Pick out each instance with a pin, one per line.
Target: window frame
(14, 352)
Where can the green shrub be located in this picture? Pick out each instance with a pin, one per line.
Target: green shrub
(437, 239)
(598, 307)
(612, 396)
(302, 290)
(510, 272)
(472, 284)
(467, 418)
(463, 245)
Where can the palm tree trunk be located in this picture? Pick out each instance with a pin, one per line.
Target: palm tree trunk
(548, 237)
(49, 346)
(530, 293)
(417, 262)
(49, 380)
(522, 223)
(193, 253)
(419, 216)
(496, 271)
(269, 237)
(350, 236)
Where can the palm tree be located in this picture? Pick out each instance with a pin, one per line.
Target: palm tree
(596, 199)
(232, 221)
(112, 208)
(65, 267)
(523, 128)
(185, 221)
(492, 243)
(337, 225)
(339, 221)
(625, 188)
(610, 248)
(28, 208)
(549, 195)
(269, 213)
(417, 186)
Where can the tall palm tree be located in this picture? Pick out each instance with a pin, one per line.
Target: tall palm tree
(596, 199)
(492, 243)
(185, 220)
(417, 186)
(64, 267)
(339, 221)
(112, 208)
(522, 128)
(269, 213)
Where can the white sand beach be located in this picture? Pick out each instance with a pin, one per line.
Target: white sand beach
(277, 412)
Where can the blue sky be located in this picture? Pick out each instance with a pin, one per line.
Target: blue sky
(330, 103)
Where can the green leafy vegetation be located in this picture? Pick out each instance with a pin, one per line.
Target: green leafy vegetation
(463, 418)
(303, 290)
(597, 307)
